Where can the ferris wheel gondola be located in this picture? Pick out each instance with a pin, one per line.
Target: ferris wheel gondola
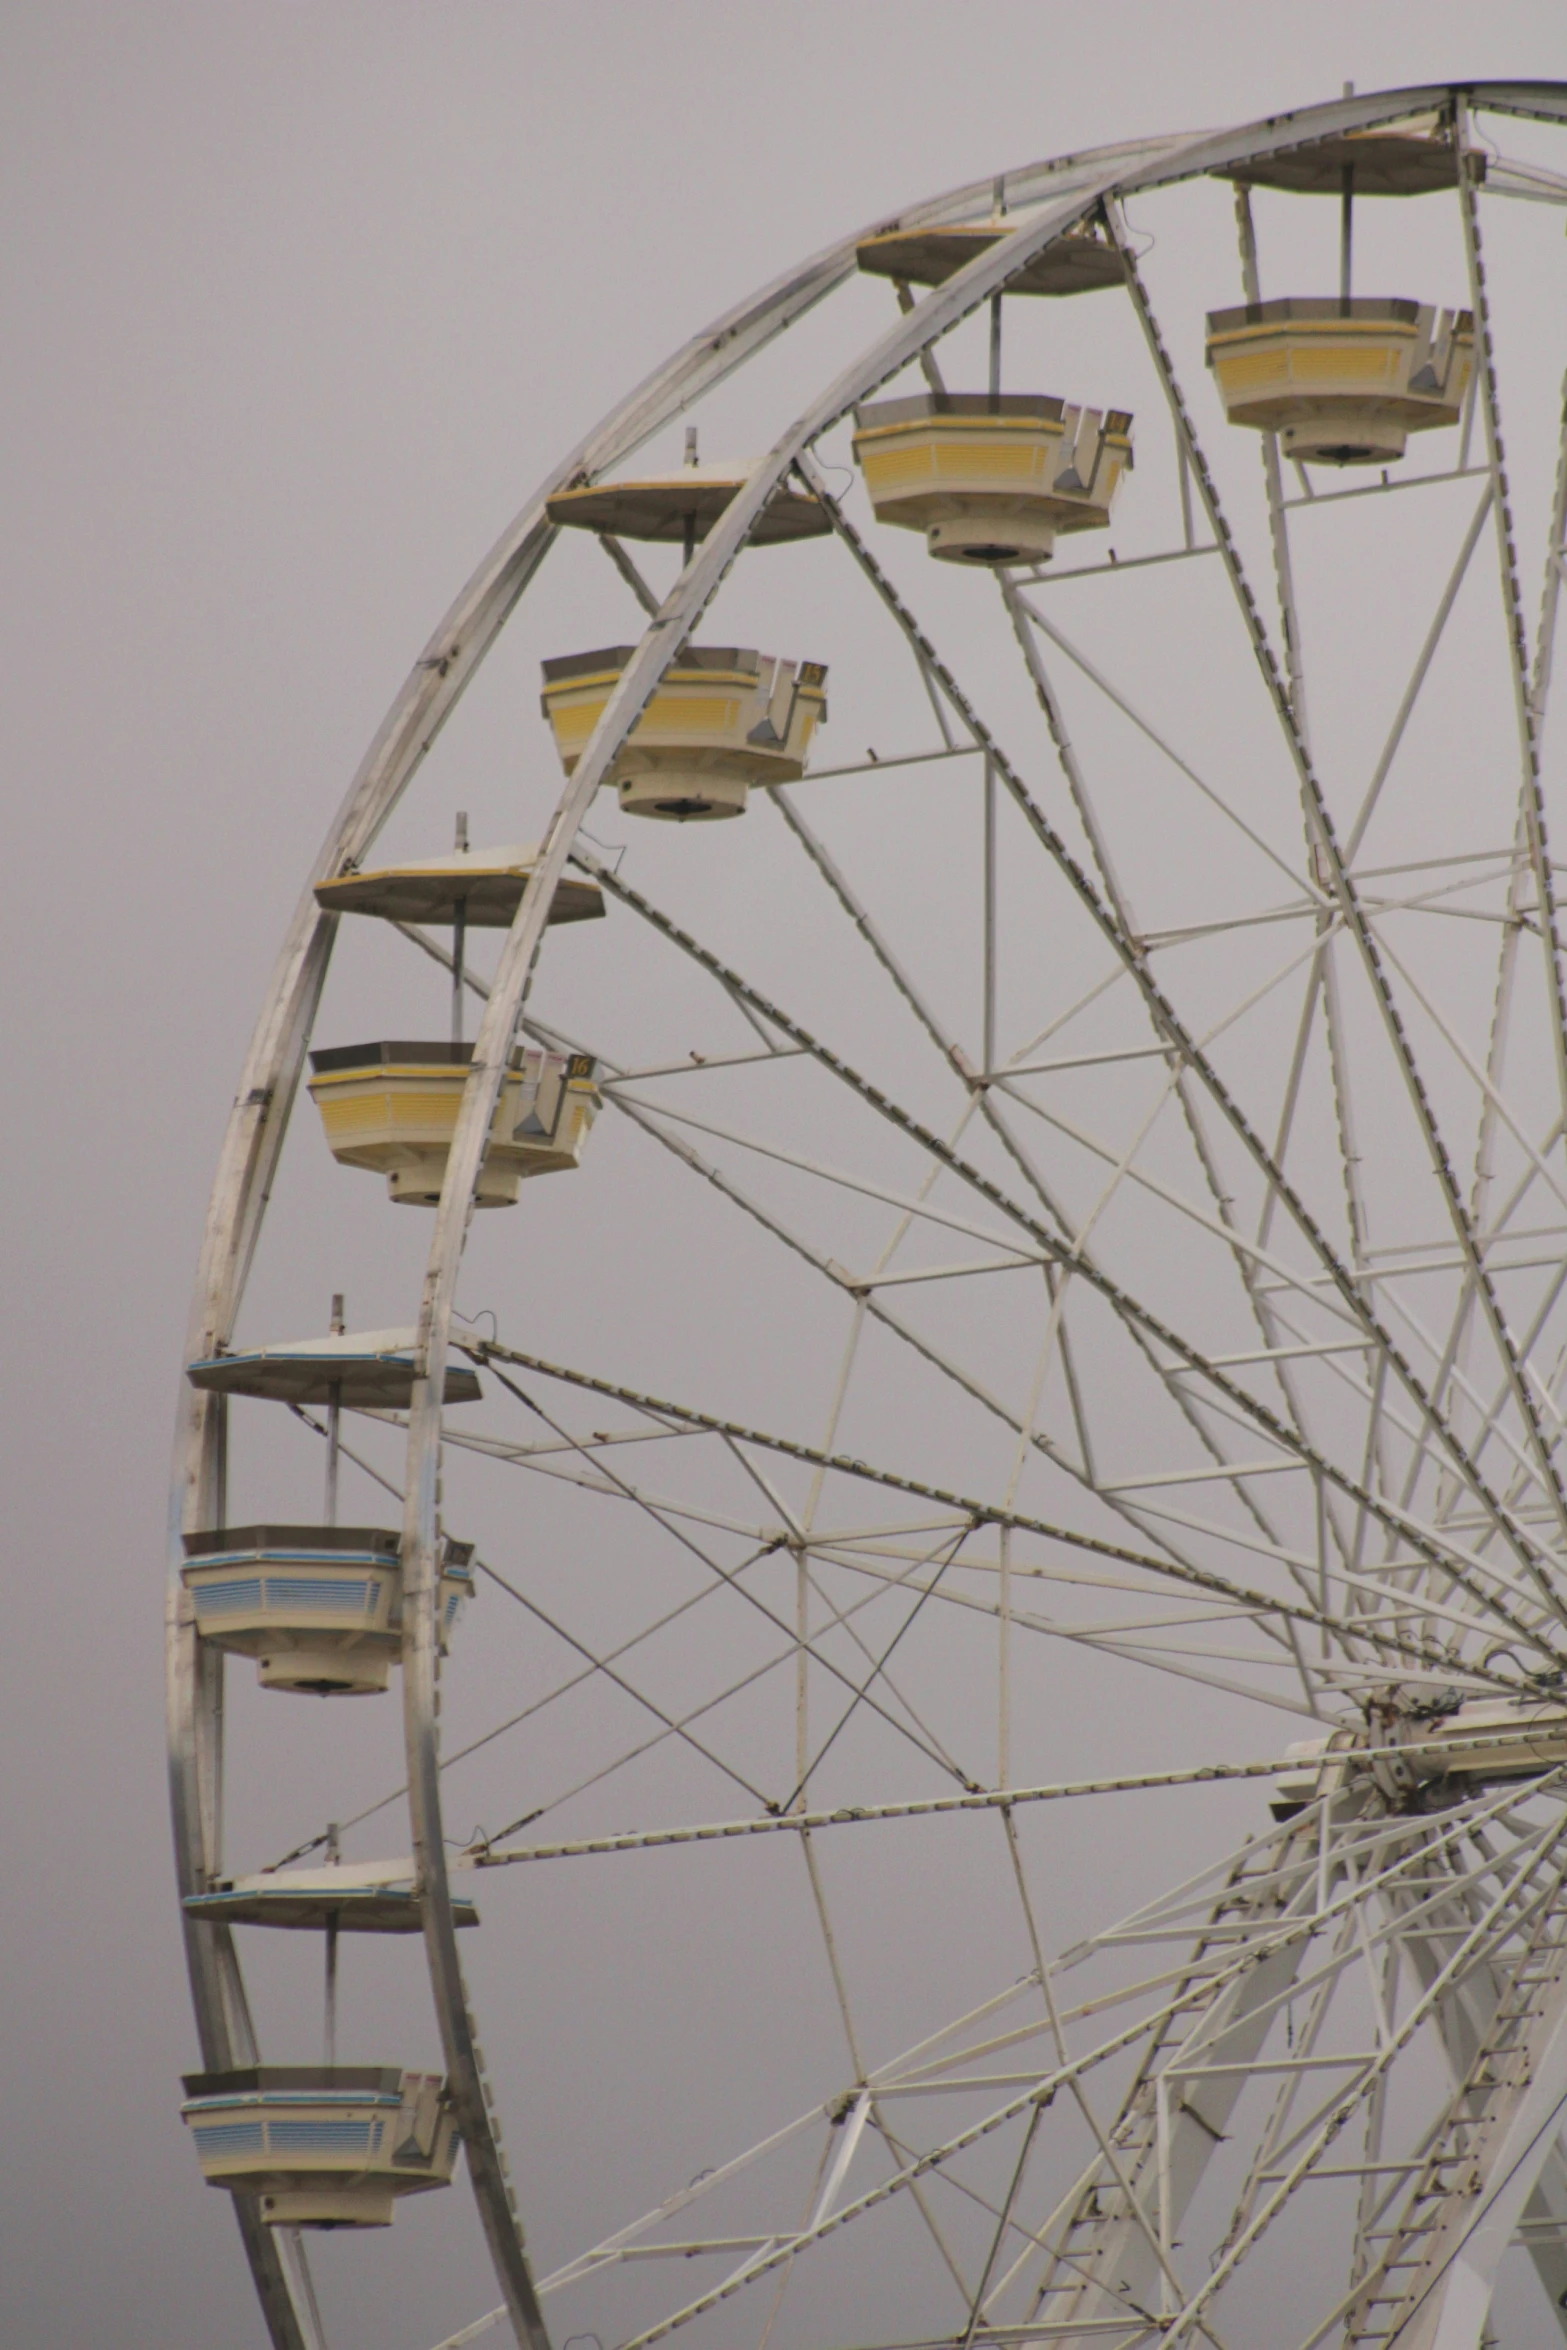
(1157, 1285)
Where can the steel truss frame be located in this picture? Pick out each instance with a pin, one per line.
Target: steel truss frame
(1486, 1948)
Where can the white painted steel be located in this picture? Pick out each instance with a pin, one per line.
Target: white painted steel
(1110, 2269)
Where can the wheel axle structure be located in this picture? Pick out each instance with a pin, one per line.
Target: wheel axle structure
(1017, 1492)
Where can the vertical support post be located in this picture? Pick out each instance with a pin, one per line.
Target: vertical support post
(1004, 1695)
(988, 1023)
(999, 199)
(1321, 1498)
(1346, 237)
(1278, 529)
(459, 932)
(1532, 814)
(331, 1990)
(802, 1629)
(1466, 430)
(334, 1420)
(928, 368)
(334, 1853)
(688, 534)
(1162, 2158)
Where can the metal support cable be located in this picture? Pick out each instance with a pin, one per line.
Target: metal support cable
(1357, 923)
(492, 1351)
(1161, 1009)
(1120, 1299)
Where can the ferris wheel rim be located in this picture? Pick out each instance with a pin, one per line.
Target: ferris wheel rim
(452, 656)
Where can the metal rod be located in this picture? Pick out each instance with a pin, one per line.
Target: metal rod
(928, 367)
(459, 933)
(995, 350)
(1346, 236)
(988, 1049)
(334, 1413)
(1387, 489)
(688, 532)
(331, 1988)
(1174, 1569)
(1357, 831)
(1145, 727)
(1121, 1300)
(1123, 563)
(334, 1854)
(1364, 939)
(334, 1417)
(629, 573)
(459, 953)
(486, 1856)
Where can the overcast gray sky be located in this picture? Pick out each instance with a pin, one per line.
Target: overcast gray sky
(301, 301)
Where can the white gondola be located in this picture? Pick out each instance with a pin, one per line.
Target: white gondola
(722, 718)
(320, 1608)
(392, 1108)
(1342, 381)
(322, 2146)
(992, 478)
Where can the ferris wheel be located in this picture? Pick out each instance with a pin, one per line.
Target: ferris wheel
(1011, 1738)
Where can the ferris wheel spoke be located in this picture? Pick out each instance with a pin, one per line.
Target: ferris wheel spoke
(730, 979)
(1531, 803)
(1446, 1511)
(1321, 825)
(1156, 2245)
(1427, 654)
(1278, 523)
(1522, 1457)
(650, 1124)
(1170, 1567)
(1018, 604)
(732, 1579)
(1115, 1294)
(1466, 2018)
(1486, 1086)
(1547, 1390)
(1550, 589)
(879, 1312)
(1104, 2233)
(1102, 2252)
(1121, 1641)
(1544, 1848)
(1163, 1013)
